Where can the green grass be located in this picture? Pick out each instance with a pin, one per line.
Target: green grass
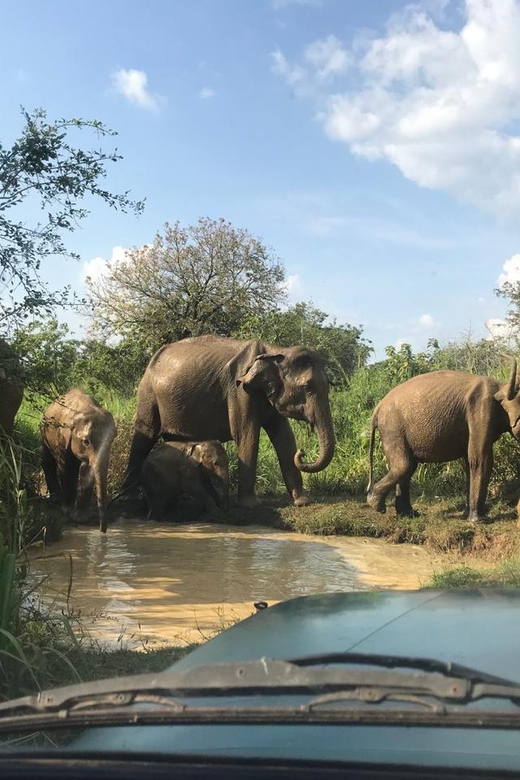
(503, 575)
(441, 525)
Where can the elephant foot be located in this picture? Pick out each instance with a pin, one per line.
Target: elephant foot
(248, 502)
(475, 517)
(376, 503)
(405, 509)
(302, 499)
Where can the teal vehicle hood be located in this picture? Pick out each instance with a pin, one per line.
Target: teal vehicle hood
(478, 628)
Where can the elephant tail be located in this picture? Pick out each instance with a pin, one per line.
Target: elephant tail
(373, 427)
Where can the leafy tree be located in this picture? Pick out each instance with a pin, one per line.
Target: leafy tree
(49, 356)
(53, 362)
(117, 367)
(511, 292)
(43, 169)
(205, 278)
(342, 345)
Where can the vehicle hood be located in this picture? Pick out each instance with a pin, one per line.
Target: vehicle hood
(478, 628)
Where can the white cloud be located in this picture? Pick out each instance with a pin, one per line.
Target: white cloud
(293, 285)
(426, 320)
(327, 56)
(510, 271)
(133, 84)
(441, 105)
(500, 330)
(96, 268)
(206, 93)
(323, 59)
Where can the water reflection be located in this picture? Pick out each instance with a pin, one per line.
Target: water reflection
(175, 583)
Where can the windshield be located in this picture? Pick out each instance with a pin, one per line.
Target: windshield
(259, 392)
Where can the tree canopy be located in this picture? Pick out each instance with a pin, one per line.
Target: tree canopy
(343, 346)
(44, 170)
(204, 278)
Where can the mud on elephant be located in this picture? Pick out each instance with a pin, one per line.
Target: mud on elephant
(77, 436)
(439, 417)
(210, 387)
(197, 469)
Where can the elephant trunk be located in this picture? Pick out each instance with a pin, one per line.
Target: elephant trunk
(322, 421)
(100, 470)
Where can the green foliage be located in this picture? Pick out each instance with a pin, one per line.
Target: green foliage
(52, 362)
(49, 356)
(45, 169)
(342, 345)
(9, 593)
(402, 364)
(503, 575)
(205, 278)
(116, 367)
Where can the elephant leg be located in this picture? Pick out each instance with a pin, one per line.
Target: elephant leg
(466, 469)
(247, 450)
(155, 506)
(146, 432)
(480, 465)
(282, 438)
(403, 505)
(51, 474)
(201, 496)
(402, 466)
(69, 482)
(84, 492)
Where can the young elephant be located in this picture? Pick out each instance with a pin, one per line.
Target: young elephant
(199, 469)
(440, 417)
(77, 435)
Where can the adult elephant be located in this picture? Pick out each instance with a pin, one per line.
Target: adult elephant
(440, 417)
(11, 387)
(77, 436)
(210, 387)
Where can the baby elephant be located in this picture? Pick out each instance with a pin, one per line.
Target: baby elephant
(198, 469)
(77, 436)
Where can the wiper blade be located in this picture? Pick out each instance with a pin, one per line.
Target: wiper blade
(404, 662)
(324, 680)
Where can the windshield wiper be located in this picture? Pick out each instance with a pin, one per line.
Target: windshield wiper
(433, 692)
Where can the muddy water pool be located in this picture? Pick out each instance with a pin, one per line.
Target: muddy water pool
(144, 583)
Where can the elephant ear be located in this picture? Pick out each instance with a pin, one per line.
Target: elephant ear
(263, 374)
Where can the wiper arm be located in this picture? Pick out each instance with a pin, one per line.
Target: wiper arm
(326, 679)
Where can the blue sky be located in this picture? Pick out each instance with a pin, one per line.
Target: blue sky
(373, 145)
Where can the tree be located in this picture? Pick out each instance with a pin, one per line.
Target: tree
(511, 292)
(49, 356)
(44, 169)
(342, 345)
(205, 278)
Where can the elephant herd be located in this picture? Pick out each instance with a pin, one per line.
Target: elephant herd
(199, 392)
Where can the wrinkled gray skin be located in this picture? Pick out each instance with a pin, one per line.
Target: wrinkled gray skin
(439, 417)
(212, 387)
(77, 436)
(197, 469)
(11, 394)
